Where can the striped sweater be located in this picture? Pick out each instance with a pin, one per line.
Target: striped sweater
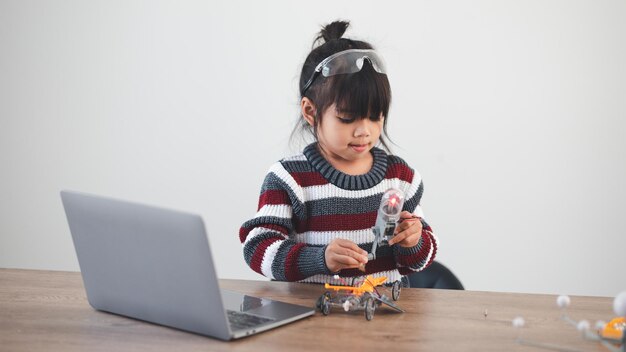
(305, 203)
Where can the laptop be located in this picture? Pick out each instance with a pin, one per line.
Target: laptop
(155, 265)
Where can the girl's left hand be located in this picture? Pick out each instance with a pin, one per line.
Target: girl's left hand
(408, 232)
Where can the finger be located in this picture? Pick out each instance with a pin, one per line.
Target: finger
(407, 239)
(406, 223)
(399, 237)
(338, 258)
(413, 238)
(410, 241)
(401, 227)
(346, 261)
(405, 219)
(405, 214)
(413, 228)
(351, 246)
(349, 252)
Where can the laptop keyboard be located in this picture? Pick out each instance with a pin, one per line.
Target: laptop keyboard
(239, 320)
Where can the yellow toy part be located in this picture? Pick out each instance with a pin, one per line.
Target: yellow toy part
(367, 286)
(614, 329)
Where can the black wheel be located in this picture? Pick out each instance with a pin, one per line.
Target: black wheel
(327, 296)
(370, 306)
(326, 307)
(395, 290)
(325, 303)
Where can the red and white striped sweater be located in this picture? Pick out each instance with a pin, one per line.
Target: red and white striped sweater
(305, 203)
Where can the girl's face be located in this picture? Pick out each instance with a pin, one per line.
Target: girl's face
(347, 139)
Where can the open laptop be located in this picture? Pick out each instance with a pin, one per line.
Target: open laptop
(155, 265)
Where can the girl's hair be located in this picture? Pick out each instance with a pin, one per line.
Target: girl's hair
(364, 94)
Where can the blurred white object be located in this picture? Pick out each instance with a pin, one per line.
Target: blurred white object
(518, 322)
(583, 325)
(619, 304)
(563, 301)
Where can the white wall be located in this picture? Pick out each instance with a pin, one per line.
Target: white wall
(512, 111)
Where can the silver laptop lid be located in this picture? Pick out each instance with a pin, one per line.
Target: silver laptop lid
(132, 263)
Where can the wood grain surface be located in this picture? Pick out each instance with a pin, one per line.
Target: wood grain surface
(48, 311)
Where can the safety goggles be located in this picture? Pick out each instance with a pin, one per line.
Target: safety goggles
(347, 61)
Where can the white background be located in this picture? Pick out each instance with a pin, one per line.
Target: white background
(512, 111)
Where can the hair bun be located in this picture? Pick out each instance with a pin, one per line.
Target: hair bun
(333, 30)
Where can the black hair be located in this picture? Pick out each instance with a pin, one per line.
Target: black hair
(364, 94)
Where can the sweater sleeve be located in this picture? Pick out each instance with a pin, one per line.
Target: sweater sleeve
(420, 256)
(267, 238)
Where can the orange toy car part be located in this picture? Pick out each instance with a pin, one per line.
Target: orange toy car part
(614, 329)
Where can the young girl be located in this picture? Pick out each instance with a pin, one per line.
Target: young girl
(317, 209)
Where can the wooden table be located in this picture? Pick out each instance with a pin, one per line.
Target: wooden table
(48, 311)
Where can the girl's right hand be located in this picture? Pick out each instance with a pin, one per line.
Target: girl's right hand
(344, 254)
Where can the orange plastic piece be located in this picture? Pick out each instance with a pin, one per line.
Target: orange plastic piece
(614, 329)
(367, 286)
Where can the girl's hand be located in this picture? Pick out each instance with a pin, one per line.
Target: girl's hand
(344, 254)
(408, 232)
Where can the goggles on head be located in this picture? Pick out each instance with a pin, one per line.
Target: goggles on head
(347, 61)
